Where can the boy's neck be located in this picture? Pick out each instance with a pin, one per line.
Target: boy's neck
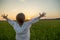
(20, 24)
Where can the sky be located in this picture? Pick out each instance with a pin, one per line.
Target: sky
(31, 8)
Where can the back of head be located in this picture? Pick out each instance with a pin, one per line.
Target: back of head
(20, 18)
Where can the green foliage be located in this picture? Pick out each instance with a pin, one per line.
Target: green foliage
(42, 30)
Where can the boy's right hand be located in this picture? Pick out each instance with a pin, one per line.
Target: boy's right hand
(4, 16)
(42, 15)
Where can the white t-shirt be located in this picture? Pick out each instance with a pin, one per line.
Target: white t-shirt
(22, 32)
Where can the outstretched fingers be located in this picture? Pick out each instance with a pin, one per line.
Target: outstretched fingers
(4, 16)
(42, 14)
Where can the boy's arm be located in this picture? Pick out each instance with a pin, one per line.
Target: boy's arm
(37, 18)
(34, 20)
(11, 22)
(8, 20)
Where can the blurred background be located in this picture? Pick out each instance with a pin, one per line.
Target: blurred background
(30, 8)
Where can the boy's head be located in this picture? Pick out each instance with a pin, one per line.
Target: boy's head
(20, 18)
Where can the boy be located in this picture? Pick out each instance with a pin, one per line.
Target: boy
(22, 28)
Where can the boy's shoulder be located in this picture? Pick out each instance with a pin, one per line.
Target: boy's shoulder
(26, 21)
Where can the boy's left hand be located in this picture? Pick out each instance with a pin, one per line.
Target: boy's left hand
(4, 16)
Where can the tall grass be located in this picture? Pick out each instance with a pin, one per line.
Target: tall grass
(42, 30)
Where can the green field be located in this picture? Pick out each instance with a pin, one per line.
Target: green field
(42, 30)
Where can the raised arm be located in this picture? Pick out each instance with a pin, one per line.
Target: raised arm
(8, 20)
(37, 18)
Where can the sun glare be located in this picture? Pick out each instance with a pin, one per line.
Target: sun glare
(28, 18)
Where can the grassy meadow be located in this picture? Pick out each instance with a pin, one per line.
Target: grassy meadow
(42, 30)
